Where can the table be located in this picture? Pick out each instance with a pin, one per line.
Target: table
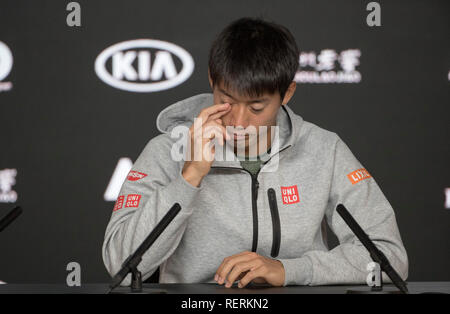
(413, 287)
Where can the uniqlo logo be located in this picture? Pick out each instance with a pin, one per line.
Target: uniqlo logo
(358, 175)
(119, 203)
(133, 200)
(289, 194)
(134, 175)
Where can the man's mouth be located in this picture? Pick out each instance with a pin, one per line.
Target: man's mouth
(238, 137)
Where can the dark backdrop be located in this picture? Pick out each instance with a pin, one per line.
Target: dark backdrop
(64, 130)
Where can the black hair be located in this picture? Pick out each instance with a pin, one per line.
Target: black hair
(252, 57)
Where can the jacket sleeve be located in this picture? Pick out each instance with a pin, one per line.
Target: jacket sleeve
(357, 190)
(153, 186)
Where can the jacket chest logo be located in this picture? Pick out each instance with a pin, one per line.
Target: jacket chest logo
(289, 194)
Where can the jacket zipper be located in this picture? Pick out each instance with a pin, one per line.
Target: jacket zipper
(255, 187)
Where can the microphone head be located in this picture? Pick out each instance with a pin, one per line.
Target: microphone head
(341, 209)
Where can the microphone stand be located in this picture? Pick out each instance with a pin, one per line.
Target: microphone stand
(376, 255)
(131, 263)
(10, 217)
(376, 289)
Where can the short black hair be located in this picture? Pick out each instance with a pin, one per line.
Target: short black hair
(252, 56)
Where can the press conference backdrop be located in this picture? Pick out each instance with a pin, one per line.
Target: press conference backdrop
(78, 104)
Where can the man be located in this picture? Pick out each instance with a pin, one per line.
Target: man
(227, 231)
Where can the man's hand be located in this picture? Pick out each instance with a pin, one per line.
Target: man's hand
(250, 266)
(205, 128)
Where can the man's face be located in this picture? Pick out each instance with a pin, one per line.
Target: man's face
(247, 114)
(246, 111)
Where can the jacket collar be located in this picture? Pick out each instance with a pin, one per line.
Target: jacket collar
(283, 139)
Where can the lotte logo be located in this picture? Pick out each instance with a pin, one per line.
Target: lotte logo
(144, 65)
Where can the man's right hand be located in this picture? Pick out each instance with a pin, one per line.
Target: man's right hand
(205, 128)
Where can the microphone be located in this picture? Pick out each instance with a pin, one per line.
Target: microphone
(10, 217)
(131, 263)
(376, 255)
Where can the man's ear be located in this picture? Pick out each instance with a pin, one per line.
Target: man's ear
(289, 93)
(210, 81)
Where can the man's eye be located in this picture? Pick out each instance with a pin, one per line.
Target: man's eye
(257, 110)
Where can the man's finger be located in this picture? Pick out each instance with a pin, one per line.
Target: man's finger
(219, 114)
(198, 125)
(209, 152)
(251, 275)
(205, 113)
(219, 269)
(240, 268)
(229, 264)
(213, 125)
(217, 130)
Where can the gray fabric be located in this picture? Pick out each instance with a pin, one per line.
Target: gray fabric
(216, 218)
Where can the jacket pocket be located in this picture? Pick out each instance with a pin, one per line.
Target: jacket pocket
(275, 222)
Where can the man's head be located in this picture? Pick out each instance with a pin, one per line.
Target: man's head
(252, 64)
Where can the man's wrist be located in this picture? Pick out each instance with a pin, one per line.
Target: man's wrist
(192, 177)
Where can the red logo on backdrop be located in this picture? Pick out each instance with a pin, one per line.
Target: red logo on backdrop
(133, 200)
(119, 203)
(289, 194)
(134, 175)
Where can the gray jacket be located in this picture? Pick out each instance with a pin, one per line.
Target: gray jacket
(230, 213)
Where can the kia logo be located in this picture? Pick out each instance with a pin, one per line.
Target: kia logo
(144, 65)
(6, 61)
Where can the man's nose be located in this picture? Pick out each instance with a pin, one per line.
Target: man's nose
(239, 115)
